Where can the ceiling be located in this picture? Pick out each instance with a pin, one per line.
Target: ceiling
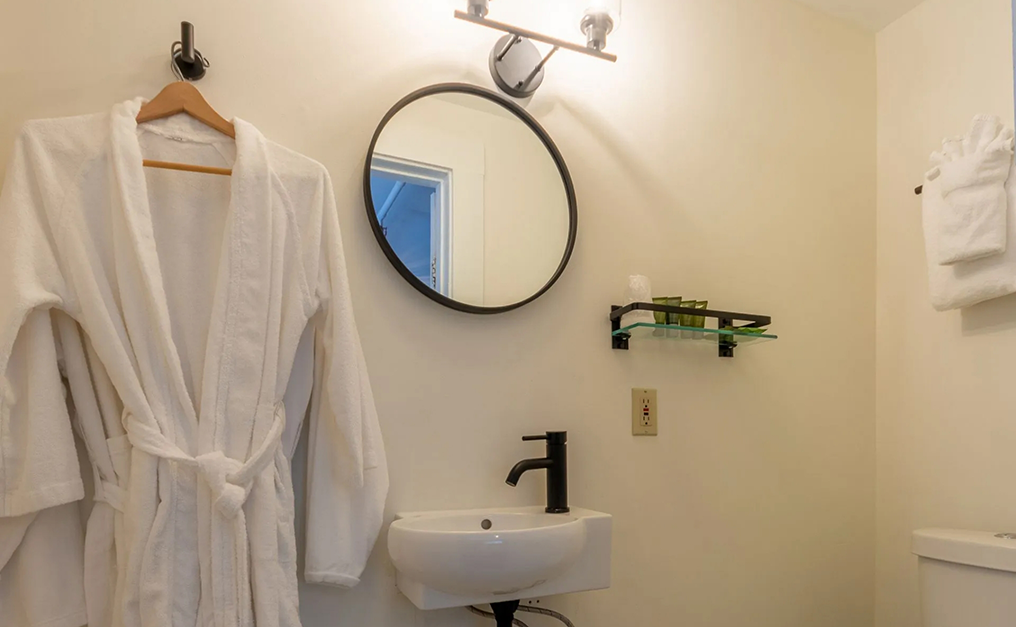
(871, 14)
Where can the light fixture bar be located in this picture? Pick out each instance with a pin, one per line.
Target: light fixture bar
(533, 35)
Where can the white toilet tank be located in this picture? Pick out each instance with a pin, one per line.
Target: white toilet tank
(968, 578)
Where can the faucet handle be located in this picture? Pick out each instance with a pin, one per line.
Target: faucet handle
(552, 437)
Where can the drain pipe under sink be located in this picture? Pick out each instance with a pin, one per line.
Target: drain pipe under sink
(504, 618)
(508, 610)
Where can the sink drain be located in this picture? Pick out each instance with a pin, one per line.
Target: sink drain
(486, 524)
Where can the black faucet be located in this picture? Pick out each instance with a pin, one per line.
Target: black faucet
(556, 463)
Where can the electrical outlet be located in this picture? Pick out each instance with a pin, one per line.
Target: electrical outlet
(643, 412)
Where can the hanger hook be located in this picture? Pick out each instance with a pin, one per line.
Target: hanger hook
(186, 61)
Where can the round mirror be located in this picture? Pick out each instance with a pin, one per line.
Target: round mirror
(470, 199)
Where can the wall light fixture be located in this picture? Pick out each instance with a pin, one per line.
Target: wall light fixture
(516, 63)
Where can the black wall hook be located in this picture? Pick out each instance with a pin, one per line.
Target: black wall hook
(188, 63)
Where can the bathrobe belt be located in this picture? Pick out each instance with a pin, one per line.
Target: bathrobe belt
(230, 482)
(111, 494)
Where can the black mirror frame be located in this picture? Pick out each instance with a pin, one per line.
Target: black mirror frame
(531, 122)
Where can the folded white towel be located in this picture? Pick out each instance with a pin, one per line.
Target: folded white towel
(971, 282)
(973, 171)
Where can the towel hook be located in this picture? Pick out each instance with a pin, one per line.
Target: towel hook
(187, 62)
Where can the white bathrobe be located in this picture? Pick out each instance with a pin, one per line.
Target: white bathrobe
(182, 323)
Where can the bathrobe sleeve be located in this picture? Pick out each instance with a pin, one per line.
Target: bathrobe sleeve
(38, 461)
(347, 474)
(41, 583)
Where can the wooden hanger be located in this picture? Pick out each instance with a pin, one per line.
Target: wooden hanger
(182, 97)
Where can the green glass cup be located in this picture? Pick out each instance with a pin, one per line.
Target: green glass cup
(660, 316)
(699, 322)
(676, 319)
(686, 320)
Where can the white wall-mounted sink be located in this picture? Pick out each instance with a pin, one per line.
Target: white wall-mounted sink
(457, 558)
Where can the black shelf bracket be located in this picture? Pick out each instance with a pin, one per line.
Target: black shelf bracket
(618, 342)
(724, 319)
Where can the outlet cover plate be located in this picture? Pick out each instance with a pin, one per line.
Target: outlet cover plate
(643, 412)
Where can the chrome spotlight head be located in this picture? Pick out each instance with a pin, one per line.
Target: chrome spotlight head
(479, 8)
(596, 27)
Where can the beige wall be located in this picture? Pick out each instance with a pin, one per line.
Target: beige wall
(946, 427)
(729, 155)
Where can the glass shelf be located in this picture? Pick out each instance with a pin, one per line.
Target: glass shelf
(730, 331)
(648, 331)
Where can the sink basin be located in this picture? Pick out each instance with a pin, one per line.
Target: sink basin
(485, 553)
(452, 558)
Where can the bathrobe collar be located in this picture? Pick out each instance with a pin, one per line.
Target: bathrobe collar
(246, 236)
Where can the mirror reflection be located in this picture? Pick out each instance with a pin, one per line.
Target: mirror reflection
(469, 199)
